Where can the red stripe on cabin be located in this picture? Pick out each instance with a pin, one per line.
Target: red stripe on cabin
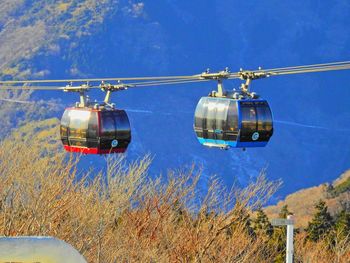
(85, 150)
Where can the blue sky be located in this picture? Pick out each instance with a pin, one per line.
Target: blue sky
(193, 35)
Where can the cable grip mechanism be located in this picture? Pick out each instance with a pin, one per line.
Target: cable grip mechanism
(82, 89)
(109, 88)
(249, 76)
(219, 76)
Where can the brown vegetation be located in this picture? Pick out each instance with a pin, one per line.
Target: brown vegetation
(302, 202)
(124, 215)
(322, 251)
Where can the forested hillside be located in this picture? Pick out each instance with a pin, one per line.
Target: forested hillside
(335, 194)
(37, 34)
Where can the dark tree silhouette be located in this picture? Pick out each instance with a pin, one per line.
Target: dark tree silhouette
(262, 224)
(321, 224)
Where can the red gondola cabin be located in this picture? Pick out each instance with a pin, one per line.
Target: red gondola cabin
(95, 131)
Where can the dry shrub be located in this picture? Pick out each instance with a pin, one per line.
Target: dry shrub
(123, 214)
(336, 250)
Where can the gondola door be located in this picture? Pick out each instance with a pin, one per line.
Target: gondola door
(123, 133)
(256, 123)
(249, 127)
(108, 129)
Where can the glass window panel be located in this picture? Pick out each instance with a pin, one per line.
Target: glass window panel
(264, 118)
(64, 124)
(78, 124)
(65, 118)
(249, 121)
(248, 118)
(64, 131)
(232, 117)
(108, 124)
(93, 126)
(200, 113)
(122, 125)
(198, 116)
(211, 114)
(221, 114)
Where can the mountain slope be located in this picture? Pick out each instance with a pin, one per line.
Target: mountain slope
(35, 32)
(302, 202)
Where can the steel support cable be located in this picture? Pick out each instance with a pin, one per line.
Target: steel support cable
(98, 79)
(171, 83)
(297, 69)
(127, 84)
(194, 79)
(168, 80)
(308, 66)
(315, 68)
(255, 74)
(308, 70)
(7, 87)
(132, 85)
(160, 82)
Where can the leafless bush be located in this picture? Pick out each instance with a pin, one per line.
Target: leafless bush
(124, 215)
(335, 250)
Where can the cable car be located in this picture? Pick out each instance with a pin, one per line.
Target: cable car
(222, 119)
(227, 122)
(95, 130)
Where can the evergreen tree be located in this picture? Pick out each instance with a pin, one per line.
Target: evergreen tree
(247, 224)
(279, 242)
(321, 224)
(262, 224)
(263, 230)
(244, 221)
